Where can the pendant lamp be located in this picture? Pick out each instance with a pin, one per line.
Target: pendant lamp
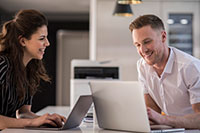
(129, 1)
(123, 10)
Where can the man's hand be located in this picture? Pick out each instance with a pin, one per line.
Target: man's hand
(155, 117)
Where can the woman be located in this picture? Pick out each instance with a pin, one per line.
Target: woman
(23, 41)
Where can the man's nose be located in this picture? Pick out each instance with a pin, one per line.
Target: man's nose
(143, 49)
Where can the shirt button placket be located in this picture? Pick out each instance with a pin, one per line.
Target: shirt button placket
(163, 97)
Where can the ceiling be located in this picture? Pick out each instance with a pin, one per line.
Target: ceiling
(57, 9)
(54, 9)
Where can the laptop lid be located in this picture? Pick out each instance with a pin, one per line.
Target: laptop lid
(75, 117)
(78, 112)
(120, 105)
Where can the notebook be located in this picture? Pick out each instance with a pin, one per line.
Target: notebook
(75, 117)
(120, 105)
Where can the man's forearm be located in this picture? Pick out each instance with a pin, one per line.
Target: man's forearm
(188, 121)
(151, 103)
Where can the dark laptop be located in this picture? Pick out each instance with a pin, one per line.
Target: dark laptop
(75, 117)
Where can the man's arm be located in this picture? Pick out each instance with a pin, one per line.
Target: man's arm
(151, 103)
(196, 107)
(187, 121)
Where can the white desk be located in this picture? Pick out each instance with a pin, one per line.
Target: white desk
(84, 128)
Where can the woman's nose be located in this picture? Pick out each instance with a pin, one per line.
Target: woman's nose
(47, 42)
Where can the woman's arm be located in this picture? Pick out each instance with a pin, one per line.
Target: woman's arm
(6, 122)
(54, 120)
(25, 112)
(28, 118)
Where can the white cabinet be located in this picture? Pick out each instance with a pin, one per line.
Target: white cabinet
(187, 7)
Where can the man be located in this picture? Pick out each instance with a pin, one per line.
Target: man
(170, 77)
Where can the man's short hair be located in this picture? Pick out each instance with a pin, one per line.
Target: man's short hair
(152, 20)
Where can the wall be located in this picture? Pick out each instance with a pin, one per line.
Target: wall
(4, 16)
(113, 38)
(70, 45)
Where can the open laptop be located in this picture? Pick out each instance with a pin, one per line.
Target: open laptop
(75, 117)
(120, 105)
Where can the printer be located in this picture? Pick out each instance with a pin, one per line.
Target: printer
(84, 71)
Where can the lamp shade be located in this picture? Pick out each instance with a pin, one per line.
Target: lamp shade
(129, 1)
(123, 10)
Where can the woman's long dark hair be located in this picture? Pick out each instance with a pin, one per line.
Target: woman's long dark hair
(25, 23)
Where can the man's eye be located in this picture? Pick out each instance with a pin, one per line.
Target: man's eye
(146, 42)
(41, 39)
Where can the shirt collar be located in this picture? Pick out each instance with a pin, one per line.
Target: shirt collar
(169, 65)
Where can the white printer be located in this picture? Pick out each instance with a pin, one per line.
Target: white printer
(84, 71)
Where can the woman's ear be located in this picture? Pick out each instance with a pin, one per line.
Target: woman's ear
(22, 41)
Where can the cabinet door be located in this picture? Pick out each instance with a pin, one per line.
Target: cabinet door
(177, 9)
(71, 45)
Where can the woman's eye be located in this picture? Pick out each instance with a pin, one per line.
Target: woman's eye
(41, 39)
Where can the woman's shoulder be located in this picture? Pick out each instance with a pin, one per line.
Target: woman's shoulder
(4, 61)
(4, 66)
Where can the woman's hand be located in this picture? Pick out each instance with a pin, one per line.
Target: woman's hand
(51, 119)
(35, 120)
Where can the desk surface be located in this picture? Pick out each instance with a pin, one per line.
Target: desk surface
(84, 127)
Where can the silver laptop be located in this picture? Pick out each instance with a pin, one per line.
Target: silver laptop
(120, 105)
(75, 117)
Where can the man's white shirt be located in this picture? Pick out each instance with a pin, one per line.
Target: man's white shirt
(178, 86)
